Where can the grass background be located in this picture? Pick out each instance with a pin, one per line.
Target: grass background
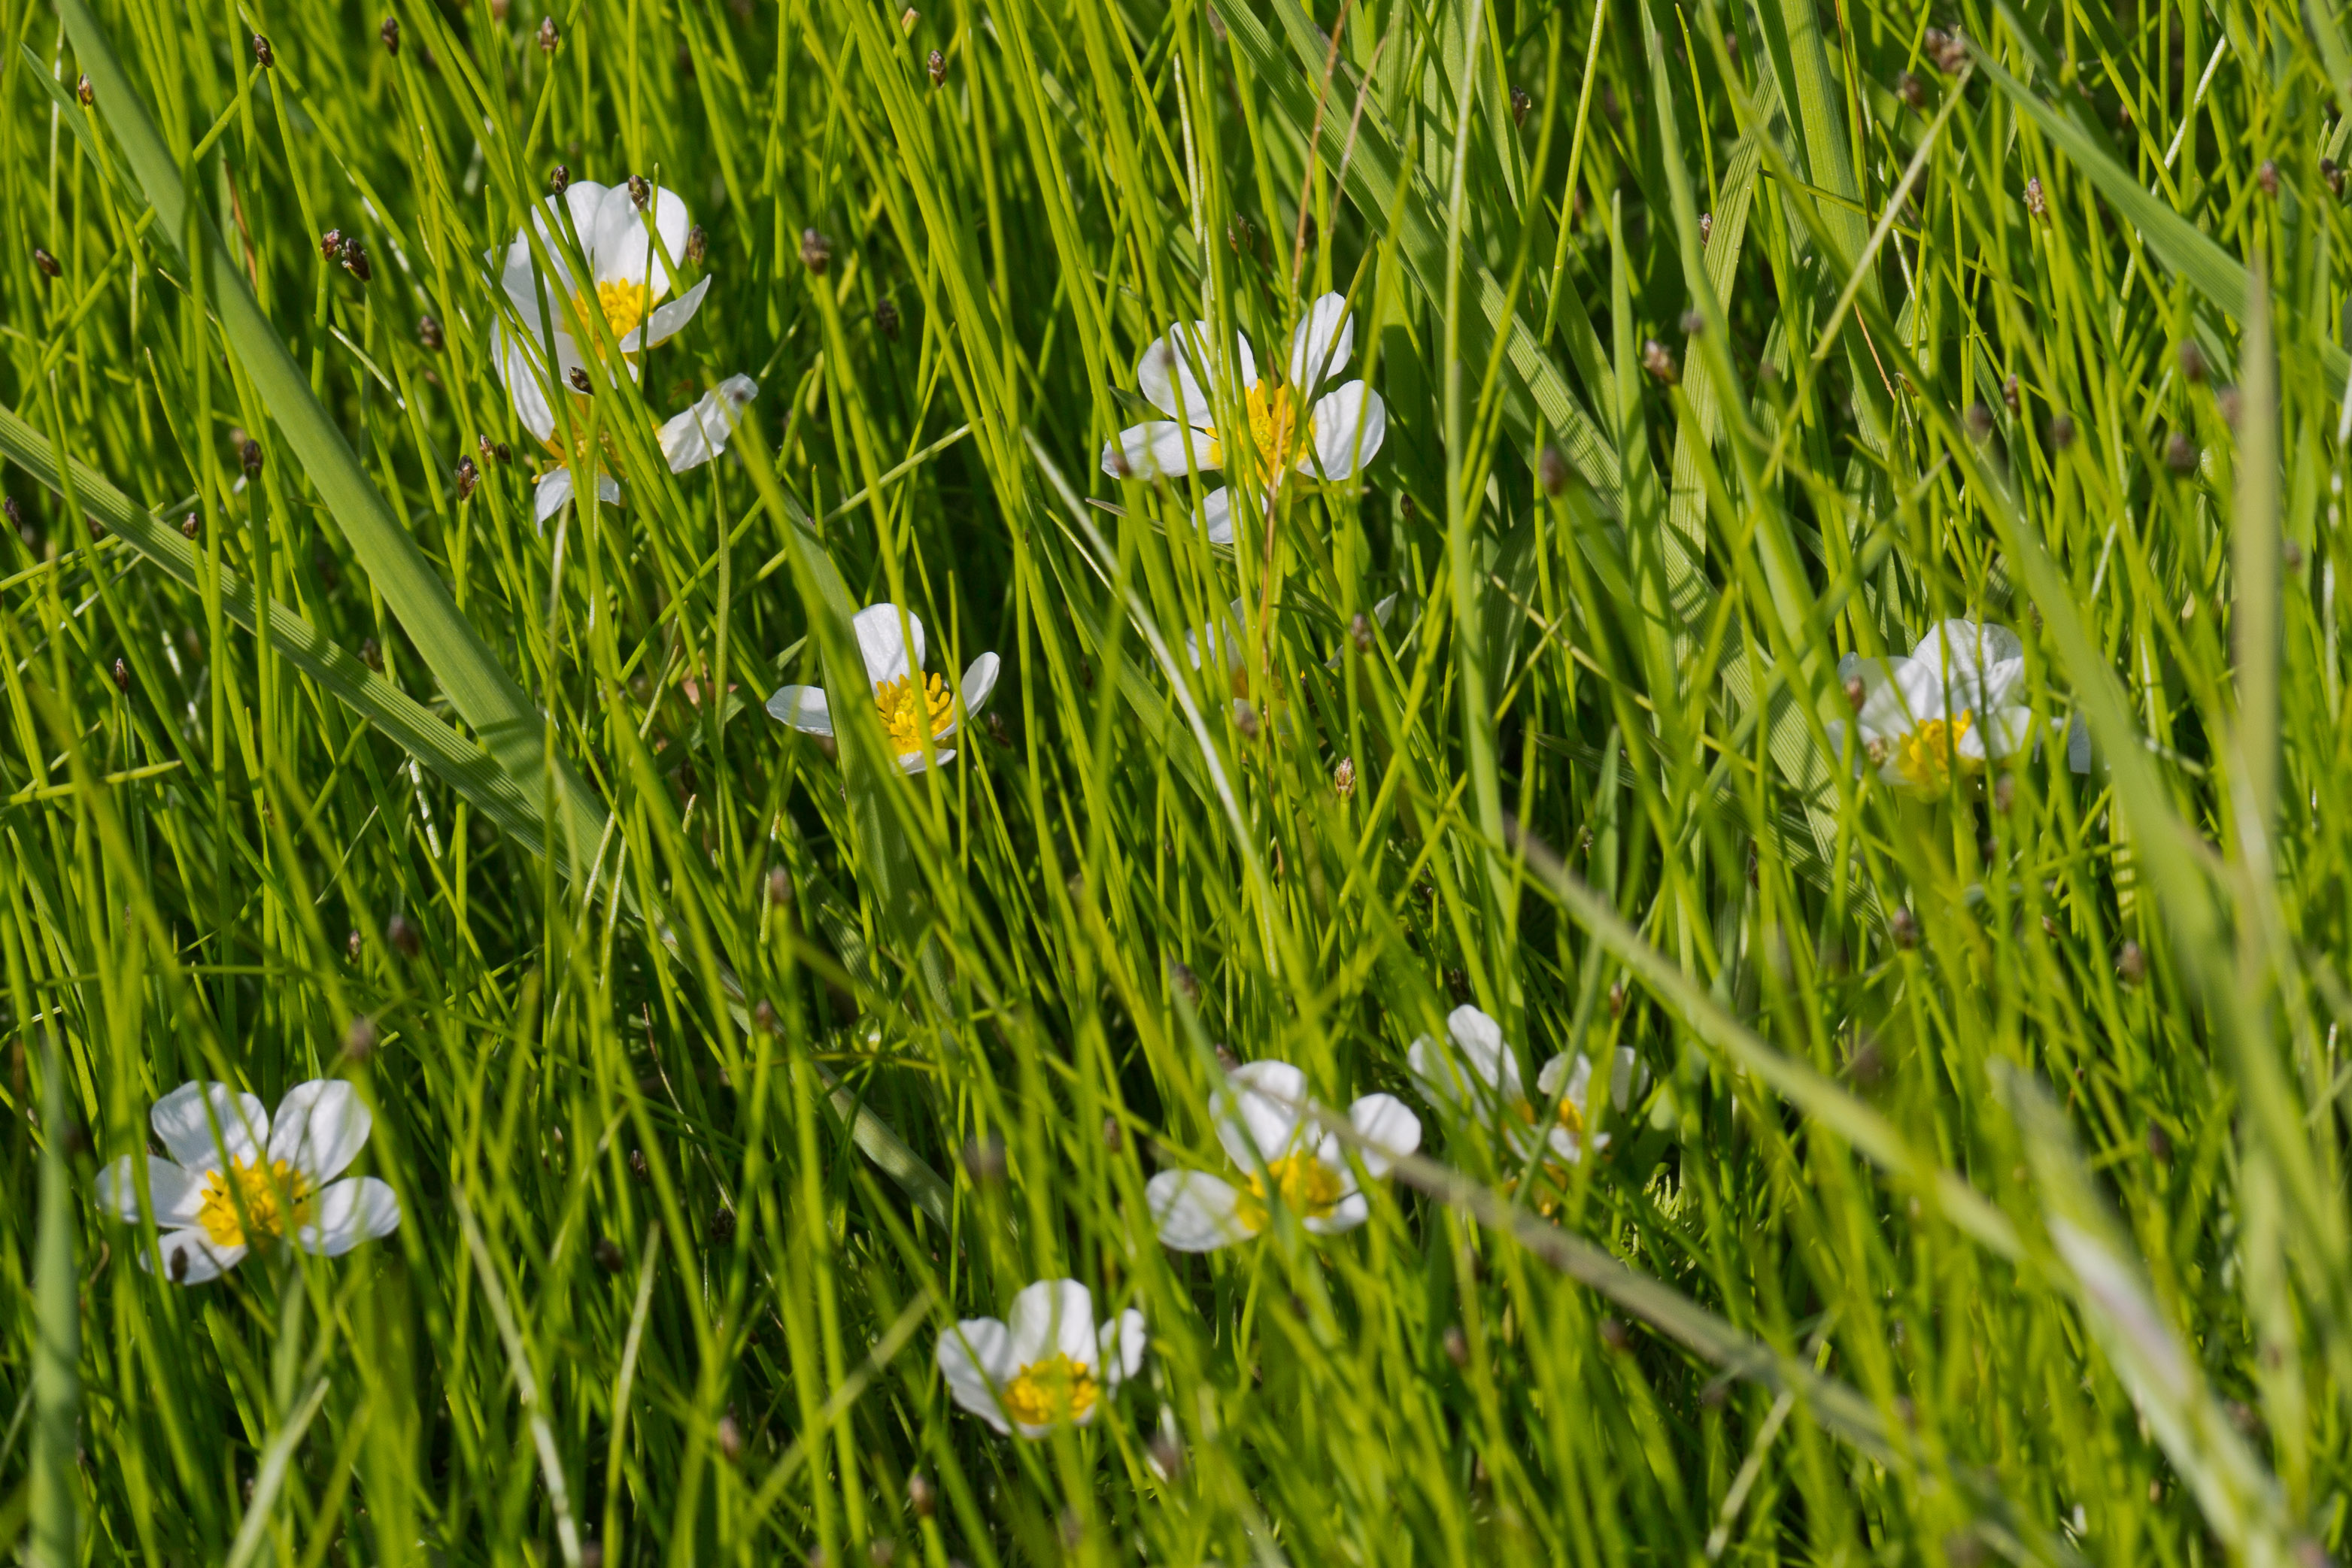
(1986, 1201)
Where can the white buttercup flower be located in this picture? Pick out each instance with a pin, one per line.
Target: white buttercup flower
(1331, 440)
(1263, 1122)
(1048, 1365)
(914, 708)
(236, 1177)
(632, 254)
(1475, 1075)
(1947, 708)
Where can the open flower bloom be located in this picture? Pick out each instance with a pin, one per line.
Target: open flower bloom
(1475, 1075)
(1947, 709)
(237, 1178)
(1048, 1365)
(1263, 1121)
(632, 255)
(1332, 439)
(915, 708)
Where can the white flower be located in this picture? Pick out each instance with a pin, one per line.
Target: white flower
(236, 1177)
(632, 256)
(914, 709)
(1947, 708)
(1477, 1077)
(1264, 1125)
(1050, 1364)
(1332, 440)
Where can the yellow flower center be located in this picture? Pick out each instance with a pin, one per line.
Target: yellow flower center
(1309, 1188)
(1931, 752)
(623, 305)
(258, 1189)
(1049, 1391)
(913, 709)
(1275, 428)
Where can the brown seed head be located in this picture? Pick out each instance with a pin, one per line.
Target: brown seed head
(2008, 394)
(1343, 778)
(640, 192)
(607, 1253)
(886, 320)
(355, 259)
(728, 1436)
(1979, 419)
(2192, 362)
(2159, 1144)
(2180, 452)
(359, 1039)
(816, 251)
(2037, 200)
(192, 526)
(1659, 362)
(579, 379)
(84, 91)
(469, 476)
(250, 455)
(390, 33)
(722, 1228)
(1245, 719)
(262, 53)
(1360, 632)
(121, 677)
(1520, 103)
(402, 937)
(2267, 178)
(2131, 962)
(1614, 1334)
(2229, 402)
(698, 244)
(984, 1159)
(1911, 91)
(922, 1498)
(938, 68)
(546, 36)
(559, 179)
(429, 333)
(2061, 431)
(372, 654)
(44, 264)
(1904, 927)
(1705, 229)
(2334, 175)
(1456, 1343)
(1183, 982)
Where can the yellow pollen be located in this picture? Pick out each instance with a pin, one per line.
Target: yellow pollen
(1931, 752)
(1055, 1389)
(623, 305)
(1274, 426)
(257, 1188)
(1570, 1117)
(1309, 1188)
(913, 709)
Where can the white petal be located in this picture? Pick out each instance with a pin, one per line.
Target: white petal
(205, 1261)
(608, 489)
(1321, 344)
(1231, 645)
(522, 381)
(1441, 1075)
(623, 250)
(1997, 734)
(978, 680)
(1123, 1343)
(2078, 744)
(1480, 1040)
(1346, 432)
(1050, 1316)
(1217, 515)
(554, 490)
(1963, 654)
(2001, 682)
(802, 708)
(1259, 1113)
(1346, 1214)
(1176, 372)
(1156, 447)
(892, 647)
(198, 1124)
(1195, 1212)
(319, 1128)
(347, 1213)
(973, 1358)
(176, 1194)
(1629, 1079)
(913, 762)
(693, 438)
(1389, 1128)
(667, 320)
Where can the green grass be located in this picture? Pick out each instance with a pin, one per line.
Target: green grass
(1980, 1194)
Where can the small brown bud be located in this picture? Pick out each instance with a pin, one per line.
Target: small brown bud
(330, 245)
(1659, 363)
(2180, 452)
(96, 528)
(2008, 394)
(1245, 719)
(938, 68)
(179, 1265)
(190, 526)
(402, 937)
(1614, 1334)
(579, 379)
(249, 456)
(351, 947)
(2192, 362)
(1856, 693)
(2131, 962)
(1456, 1344)
(84, 91)
(1226, 1059)
(816, 251)
(263, 53)
(1903, 926)
(728, 1437)
(1360, 632)
(2267, 177)
(922, 1498)
(372, 654)
(1706, 229)
(429, 333)
(2159, 1145)
(1183, 982)
(780, 885)
(984, 1158)
(763, 1016)
(2037, 200)
(546, 36)
(1694, 323)
(2292, 554)
(1114, 1135)
(121, 677)
(1457, 985)
(1520, 103)
(559, 179)
(2061, 431)
(45, 263)
(886, 320)
(638, 1169)
(1951, 51)
(2334, 175)
(1979, 419)
(355, 259)
(1617, 998)
(1343, 778)
(2230, 404)
(360, 1038)
(722, 1228)
(390, 33)
(1911, 91)
(698, 244)
(640, 192)
(469, 476)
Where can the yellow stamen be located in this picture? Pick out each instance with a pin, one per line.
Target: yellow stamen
(913, 710)
(1274, 426)
(1057, 1388)
(258, 1189)
(1571, 1117)
(1309, 1189)
(623, 305)
(1929, 755)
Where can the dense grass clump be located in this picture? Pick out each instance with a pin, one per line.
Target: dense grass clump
(1261, 783)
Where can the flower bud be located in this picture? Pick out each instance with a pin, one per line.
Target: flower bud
(359, 1039)
(607, 1253)
(2267, 177)
(1551, 469)
(1705, 229)
(262, 53)
(190, 526)
(330, 245)
(886, 320)
(402, 937)
(249, 456)
(816, 251)
(390, 33)
(46, 264)
(2037, 200)
(469, 476)
(559, 179)
(547, 39)
(1343, 778)
(2180, 452)
(640, 194)
(355, 259)
(1659, 363)
(579, 379)
(84, 91)
(372, 654)
(1520, 104)
(121, 677)
(1911, 91)
(1360, 632)
(429, 333)
(698, 244)
(938, 67)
